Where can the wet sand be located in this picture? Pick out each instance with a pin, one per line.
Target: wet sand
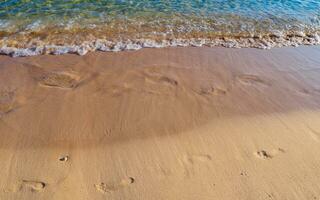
(174, 123)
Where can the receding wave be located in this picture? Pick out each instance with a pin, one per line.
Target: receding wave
(127, 25)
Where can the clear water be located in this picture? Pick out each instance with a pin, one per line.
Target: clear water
(29, 23)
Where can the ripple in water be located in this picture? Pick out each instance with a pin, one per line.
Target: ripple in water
(55, 26)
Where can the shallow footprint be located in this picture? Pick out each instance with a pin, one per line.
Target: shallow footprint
(168, 80)
(195, 163)
(197, 158)
(250, 79)
(154, 76)
(33, 186)
(111, 187)
(262, 154)
(212, 91)
(59, 80)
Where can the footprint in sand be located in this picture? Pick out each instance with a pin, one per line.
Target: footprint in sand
(159, 85)
(162, 79)
(168, 80)
(263, 154)
(154, 76)
(33, 186)
(192, 163)
(244, 174)
(197, 158)
(249, 79)
(7, 100)
(63, 80)
(111, 187)
(64, 158)
(212, 91)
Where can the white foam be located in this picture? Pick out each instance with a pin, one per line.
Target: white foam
(34, 25)
(276, 40)
(4, 24)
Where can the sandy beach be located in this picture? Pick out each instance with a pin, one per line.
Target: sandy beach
(161, 124)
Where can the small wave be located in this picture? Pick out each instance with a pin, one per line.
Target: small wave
(79, 26)
(274, 40)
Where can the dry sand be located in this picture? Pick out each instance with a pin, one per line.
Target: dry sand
(161, 124)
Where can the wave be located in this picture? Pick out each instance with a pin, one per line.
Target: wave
(81, 26)
(265, 42)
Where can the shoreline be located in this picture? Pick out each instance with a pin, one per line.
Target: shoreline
(168, 123)
(276, 40)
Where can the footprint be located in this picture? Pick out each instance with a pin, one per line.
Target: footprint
(212, 91)
(197, 158)
(154, 76)
(33, 186)
(111, 187)
(59, 80)
(249, 79)
(262, 154)
(168, 80)
(7, 99)
(161, 79)
(195, 163)
(244, 174)
(64, 158)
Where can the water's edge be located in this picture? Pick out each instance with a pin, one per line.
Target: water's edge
(109, 46)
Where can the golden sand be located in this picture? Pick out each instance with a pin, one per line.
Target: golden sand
(174, 123)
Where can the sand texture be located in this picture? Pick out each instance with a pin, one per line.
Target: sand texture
(161, 124)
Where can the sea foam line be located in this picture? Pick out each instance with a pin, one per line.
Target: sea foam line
(109, 46)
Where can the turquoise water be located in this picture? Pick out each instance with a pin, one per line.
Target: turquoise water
(29, 23)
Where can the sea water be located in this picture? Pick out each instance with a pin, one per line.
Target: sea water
(31, 27)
